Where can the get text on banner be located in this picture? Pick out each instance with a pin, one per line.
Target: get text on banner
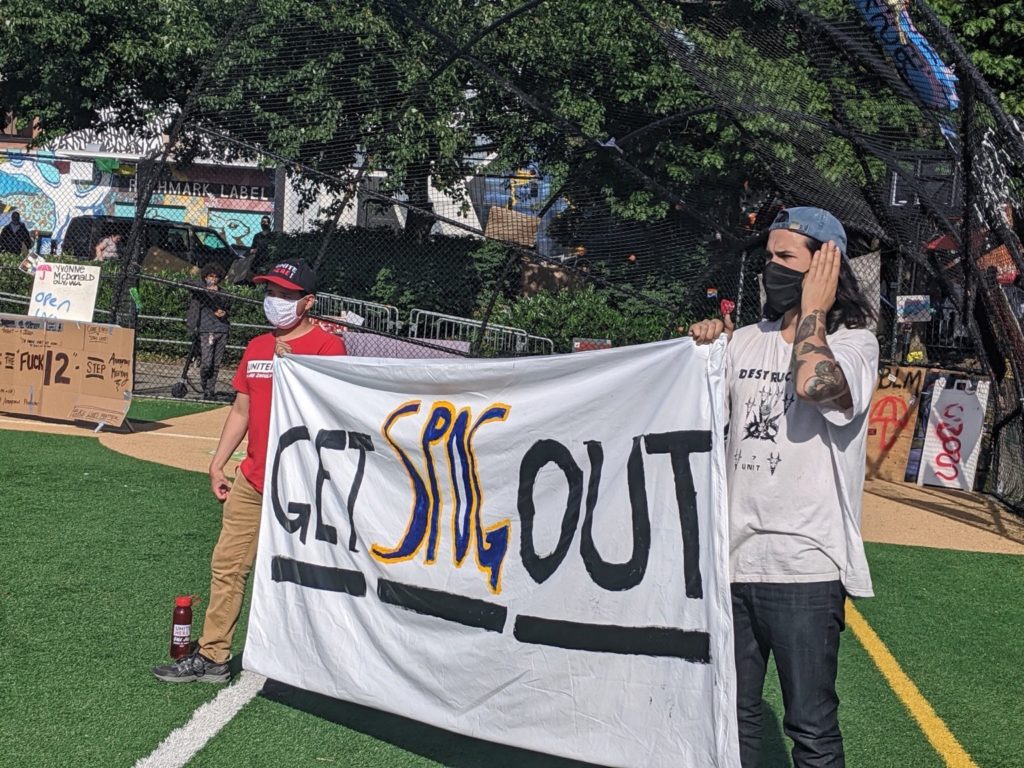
(532, 552)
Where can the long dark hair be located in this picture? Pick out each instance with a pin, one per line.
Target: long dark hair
(852, 309)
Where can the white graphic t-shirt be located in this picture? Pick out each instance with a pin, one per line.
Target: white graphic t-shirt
(796, 468)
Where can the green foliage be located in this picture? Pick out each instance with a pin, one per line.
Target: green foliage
(461, 277)
(993, 35)
(66, 63)
(439, 273)
(586, 312)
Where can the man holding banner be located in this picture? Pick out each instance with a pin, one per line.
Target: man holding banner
(800, 385)
(291, 293)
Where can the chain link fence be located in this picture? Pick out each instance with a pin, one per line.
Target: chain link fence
(464, 194)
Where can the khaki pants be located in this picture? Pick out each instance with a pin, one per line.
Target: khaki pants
(230, 567)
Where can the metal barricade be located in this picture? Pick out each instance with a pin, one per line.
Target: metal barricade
(497, 339)
(376, 317)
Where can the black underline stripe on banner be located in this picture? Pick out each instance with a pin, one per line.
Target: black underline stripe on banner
(318, 576)
(603, 638)
(467, 611)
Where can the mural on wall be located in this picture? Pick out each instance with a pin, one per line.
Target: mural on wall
(44, 188)
(41, 188)
(230, 200)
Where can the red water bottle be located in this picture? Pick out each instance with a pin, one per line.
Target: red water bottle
(181, 628)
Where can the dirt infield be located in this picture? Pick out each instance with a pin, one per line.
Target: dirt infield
(894, 513)
(185, 442)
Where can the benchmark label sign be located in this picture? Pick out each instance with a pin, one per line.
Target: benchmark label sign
(532, 552)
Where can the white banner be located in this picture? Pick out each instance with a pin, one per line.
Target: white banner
(64, 291)
(532, 552)
(952, 442)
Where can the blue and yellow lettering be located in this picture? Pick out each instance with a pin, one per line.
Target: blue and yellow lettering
(463, 503)
(412, 540)
(434, 431)
(492, 542)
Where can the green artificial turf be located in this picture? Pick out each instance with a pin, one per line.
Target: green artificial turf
(955, 622)
(154, 409)
(97, 545)
(876, 729)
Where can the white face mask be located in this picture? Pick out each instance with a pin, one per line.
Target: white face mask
(282, 313)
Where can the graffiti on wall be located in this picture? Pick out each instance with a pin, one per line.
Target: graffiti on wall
(891, 421)
(42, 187)
(953, 438)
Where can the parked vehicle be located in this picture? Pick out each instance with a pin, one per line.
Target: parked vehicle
(168, 245)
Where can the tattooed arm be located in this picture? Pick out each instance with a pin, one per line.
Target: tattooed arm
(816, 374)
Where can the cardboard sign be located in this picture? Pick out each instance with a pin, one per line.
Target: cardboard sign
(952, 443)
(512, 227)
(446, 541)
(57, 369)
(64, 291)
(891, 422)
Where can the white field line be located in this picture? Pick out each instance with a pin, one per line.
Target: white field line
(183, 743)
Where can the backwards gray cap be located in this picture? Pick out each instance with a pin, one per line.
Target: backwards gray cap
(813, 222)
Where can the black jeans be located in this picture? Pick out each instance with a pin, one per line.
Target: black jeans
(211, 353)
(800, 625)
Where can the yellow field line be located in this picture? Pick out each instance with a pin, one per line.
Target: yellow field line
(940, 737)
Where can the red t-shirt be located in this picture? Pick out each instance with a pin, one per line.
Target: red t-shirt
(254, 378)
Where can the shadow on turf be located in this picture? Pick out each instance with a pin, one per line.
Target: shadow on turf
(435, 744)
(462, 751)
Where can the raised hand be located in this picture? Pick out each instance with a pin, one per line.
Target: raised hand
(822, 280)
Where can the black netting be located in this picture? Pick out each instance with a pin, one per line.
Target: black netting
(462, 192)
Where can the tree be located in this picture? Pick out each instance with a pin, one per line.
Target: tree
(992, 33)
(77, 63)
(588, 89)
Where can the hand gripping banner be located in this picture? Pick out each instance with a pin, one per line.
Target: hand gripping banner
(532, 552)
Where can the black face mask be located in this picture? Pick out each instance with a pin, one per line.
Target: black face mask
(782, 289)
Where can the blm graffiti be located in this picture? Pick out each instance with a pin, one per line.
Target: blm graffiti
(891, 421)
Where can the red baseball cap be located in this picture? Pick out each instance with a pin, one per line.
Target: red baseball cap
(294, 274)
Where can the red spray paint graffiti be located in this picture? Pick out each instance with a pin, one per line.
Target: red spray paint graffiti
(948, 430)
(888, 417)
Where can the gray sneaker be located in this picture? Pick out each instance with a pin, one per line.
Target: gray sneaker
(192, 668)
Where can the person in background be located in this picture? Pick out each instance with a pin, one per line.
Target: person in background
(15, 237)
(799, 387)
(290, 295)
(208, 318)
(109, 248)
(261, 246)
